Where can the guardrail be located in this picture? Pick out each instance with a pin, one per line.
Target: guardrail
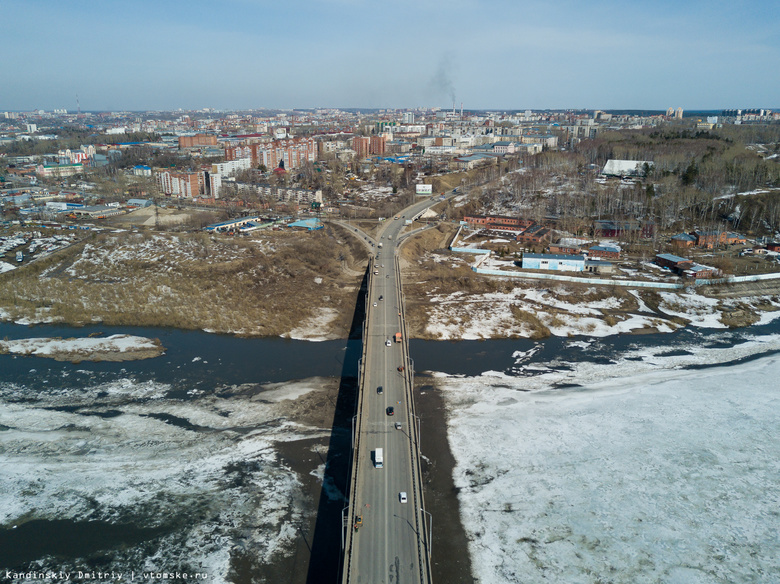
(414, 442)
(424, 543)
(354, 454)
(423, 536)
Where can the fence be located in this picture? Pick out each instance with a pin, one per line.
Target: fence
(737, 279)
(597, 281)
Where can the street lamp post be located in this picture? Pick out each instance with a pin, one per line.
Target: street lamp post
(430, 533)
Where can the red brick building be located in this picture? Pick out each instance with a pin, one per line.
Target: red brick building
(534, 234)
(377, 145)
(604, 251)
(673, 262)
(559, 249)
(361, 146)
(710, 239)
(197, 140)
(498, 221)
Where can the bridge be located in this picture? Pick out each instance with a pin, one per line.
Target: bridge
(386, 532)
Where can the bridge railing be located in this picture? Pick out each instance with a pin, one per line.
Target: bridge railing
(423, 538)
(355, 453)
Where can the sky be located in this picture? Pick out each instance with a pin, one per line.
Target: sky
(487, 54)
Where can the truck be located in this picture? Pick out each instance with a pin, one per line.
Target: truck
(378, 458)
(19, 256)
(397, 337)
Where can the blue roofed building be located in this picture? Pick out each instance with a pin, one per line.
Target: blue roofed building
(311, 224)
(557, 262)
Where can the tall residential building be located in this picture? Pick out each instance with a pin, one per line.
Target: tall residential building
(678, 115)
(231, 167)
(408, 117)
(180, 184)
(361, 144)
(294, 152)
(376, 145)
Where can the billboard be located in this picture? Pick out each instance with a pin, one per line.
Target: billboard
(424, 189)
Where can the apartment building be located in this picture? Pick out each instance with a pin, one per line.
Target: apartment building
(361, 146)
(231, 167)
(293, 151)
(180, 184)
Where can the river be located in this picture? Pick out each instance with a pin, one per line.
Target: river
(186, 462)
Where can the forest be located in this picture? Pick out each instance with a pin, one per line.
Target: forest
(722, 178)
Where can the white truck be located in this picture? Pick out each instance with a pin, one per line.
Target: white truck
(378, 458)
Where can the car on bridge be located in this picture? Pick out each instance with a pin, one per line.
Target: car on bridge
(390, 411)
(402, 497)
(387, 342)
(379, 389)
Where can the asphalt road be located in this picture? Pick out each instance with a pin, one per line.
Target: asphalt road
(390, 546)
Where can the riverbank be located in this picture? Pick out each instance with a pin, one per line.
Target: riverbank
(287, 283)
(446, 300)
(303, 286)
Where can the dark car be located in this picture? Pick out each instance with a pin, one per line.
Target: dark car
(379, 389)
(390, 411)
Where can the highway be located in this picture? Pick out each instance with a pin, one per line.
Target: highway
(392, 542)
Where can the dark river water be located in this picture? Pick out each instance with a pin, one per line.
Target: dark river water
(196, 360)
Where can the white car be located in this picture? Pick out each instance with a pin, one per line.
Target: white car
(375, 304)
(402, 497)
(388, 343)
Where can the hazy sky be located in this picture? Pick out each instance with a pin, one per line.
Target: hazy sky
(488, 54)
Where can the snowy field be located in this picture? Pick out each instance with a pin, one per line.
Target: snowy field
(203, 469)
(85, 348)
(490, 315)
(644, 473)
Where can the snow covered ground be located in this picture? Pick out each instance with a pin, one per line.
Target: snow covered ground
(645, 473)
(205, 469)
(494, 315)
(317, 327)
(86, 349)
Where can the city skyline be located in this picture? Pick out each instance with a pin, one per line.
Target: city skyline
(249, 54)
